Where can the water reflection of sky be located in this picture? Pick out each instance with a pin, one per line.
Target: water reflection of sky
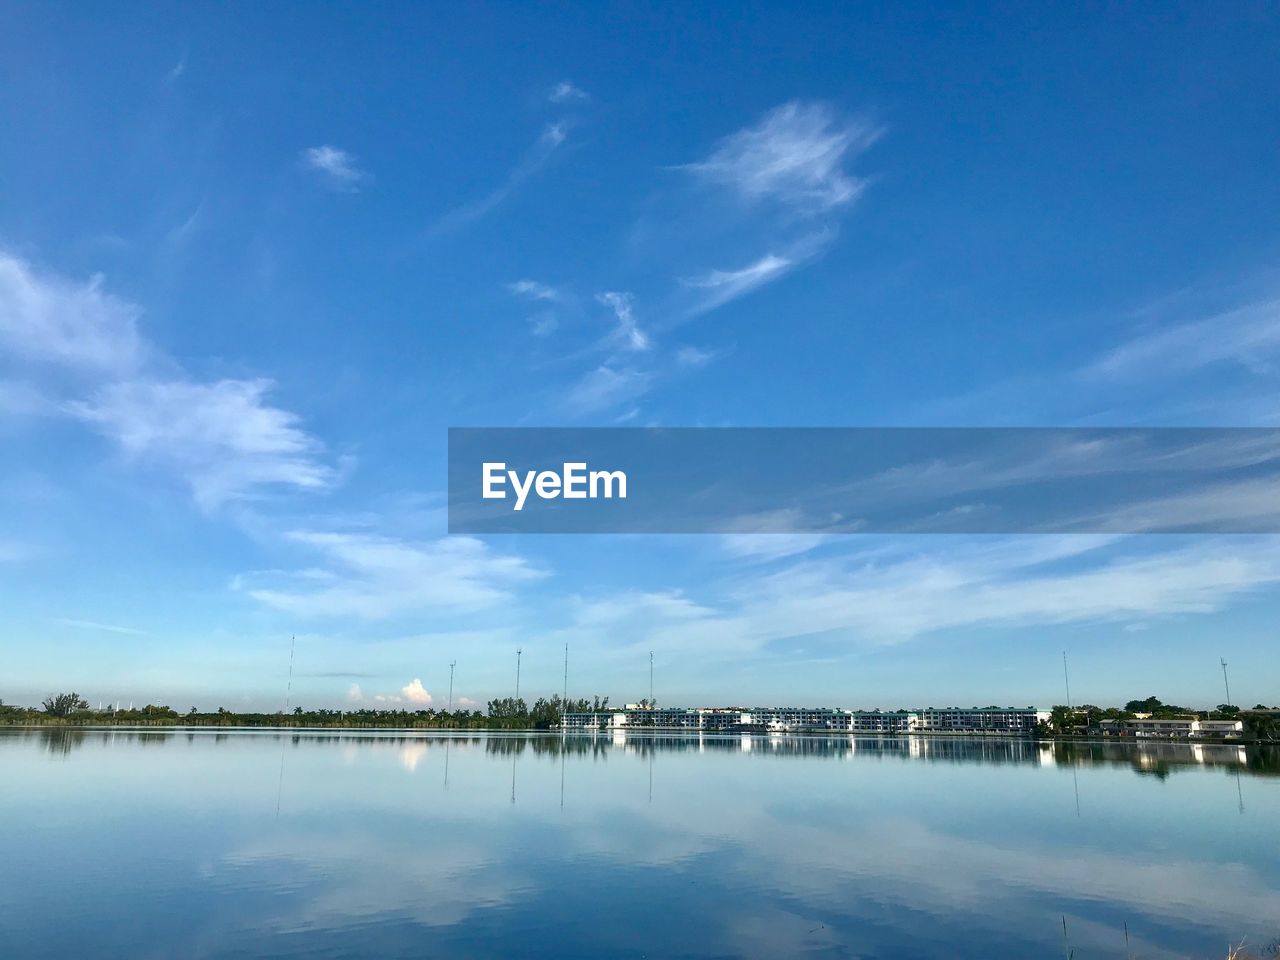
(169, 844)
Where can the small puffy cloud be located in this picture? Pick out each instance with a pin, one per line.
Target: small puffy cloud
(355, 694)
(415, 693)
(566, 92)
(544, 324)
(533, 290)
(336, 167)
(553, 134)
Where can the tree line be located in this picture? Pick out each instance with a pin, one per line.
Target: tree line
(506, 713)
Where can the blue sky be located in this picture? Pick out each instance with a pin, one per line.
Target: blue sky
(255, 261)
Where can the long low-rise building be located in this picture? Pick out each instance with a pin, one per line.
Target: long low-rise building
(1174, 728)
(1003, 720)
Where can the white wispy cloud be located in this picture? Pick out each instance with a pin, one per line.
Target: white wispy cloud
(1248, 336)
(666, 605)
(175, 72)
(223, 437)
(566, 92)
(545, 321)
(721, 286)
(628, 332)
(888, 596)
(375, 577)
(694, 357)
(796, 154)
(552, 136)
(82, 356)
(770, 536)
(606, 387)
(885, 601)
(95, 625)
(336, 167)
(534, 290)
(50, 320)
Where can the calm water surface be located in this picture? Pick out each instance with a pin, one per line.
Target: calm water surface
(336, 844)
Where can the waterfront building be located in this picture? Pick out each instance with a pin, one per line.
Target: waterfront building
(992, 720)
(1182, 727)
(1017, 720)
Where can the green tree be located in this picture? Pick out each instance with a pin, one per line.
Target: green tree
(64, 704)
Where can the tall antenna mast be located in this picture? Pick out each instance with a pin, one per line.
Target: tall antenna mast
(564, 705)
(1225, 682)
(518, 652)
(1066, 678)
(650, 679)
(288, 691)
(452, 664)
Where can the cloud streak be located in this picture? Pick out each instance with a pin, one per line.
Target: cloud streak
(550, 140)
(1245, 336)
(721, 286)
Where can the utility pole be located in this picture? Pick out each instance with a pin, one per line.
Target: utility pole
(1066, 678)
(452, 664)
(518, 652)
(1225, 682)
(288, 691)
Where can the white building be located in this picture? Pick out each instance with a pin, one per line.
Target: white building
(1183, 727)
(995, 720)
(1020, 720)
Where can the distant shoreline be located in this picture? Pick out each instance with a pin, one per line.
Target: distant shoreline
(183, 724)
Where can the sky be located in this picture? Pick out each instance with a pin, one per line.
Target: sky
(255, 260)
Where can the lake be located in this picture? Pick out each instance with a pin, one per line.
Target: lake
(203, 843)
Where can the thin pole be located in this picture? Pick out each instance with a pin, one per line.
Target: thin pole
(288, 692)
(452, 664)
(1066, 678)
(565, 697)
(1225, 682)
(650, 679)
(518, 652)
